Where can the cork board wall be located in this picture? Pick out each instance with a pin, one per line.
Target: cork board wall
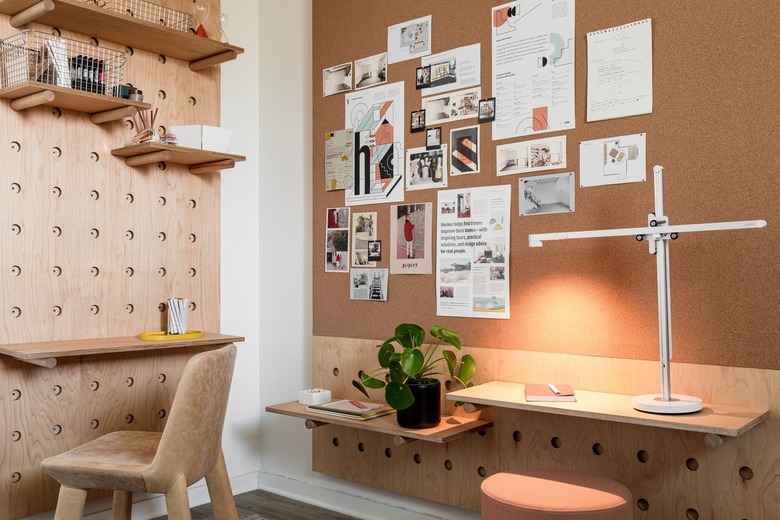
(713, 128)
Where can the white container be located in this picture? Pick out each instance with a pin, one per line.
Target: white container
(205, 137)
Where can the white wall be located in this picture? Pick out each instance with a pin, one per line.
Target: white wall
(267, 259)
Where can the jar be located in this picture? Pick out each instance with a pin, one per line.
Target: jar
(135, 95)
(169, 139)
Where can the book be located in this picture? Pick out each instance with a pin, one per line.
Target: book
(361, 410)
(541, 393)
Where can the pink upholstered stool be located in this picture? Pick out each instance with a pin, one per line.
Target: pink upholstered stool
(548, 494)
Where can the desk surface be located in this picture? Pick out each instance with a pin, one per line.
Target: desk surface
(43, 350)
(730, 421)
(449, 428)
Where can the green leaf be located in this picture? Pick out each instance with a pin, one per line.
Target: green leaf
(396, 372)
(452, 360)
(409, 335)
(360, 387)
(398, 395)
(385, 355)
(450, 336)
(412, 361)
(468, 368)
(371, 382)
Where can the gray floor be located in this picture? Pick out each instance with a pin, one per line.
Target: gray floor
(262, 505)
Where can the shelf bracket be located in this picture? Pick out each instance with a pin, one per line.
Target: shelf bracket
(33, 100)
(42, 362)
(33, 12)
(399, 440)
(213, 60)
(222, 164)
(113, 115)
(713, 440)
(472, 407)
(148, 158)
(311, 424)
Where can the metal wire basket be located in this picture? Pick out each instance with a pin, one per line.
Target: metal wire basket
(43, 58)
(149, 12)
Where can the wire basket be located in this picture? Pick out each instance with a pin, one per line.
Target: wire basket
(43, 58)
(149, 12)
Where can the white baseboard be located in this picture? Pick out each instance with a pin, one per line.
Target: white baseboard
(351, 499)
(361, 501)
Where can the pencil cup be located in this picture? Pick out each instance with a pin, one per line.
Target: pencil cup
(177, 315)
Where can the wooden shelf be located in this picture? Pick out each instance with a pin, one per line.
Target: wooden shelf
(449, 429)
(714, 419)
(102, 108)
(106, 24)
(45, 353)
(199, 161)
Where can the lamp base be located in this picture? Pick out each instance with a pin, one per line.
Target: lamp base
(653, 403)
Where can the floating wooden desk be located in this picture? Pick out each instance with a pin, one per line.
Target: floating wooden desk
(713, 419)
(57, 395)
(449, 428)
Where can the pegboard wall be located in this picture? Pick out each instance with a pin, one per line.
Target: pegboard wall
(93, 248)
(585, 311)
(672, 474)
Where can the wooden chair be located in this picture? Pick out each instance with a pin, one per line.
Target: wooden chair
(188, 449)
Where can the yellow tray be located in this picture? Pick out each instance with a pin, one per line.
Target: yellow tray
(164, 336)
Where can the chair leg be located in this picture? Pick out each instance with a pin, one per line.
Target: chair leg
(218, 483)
(70, 503)
(176, 500)
(123, 505)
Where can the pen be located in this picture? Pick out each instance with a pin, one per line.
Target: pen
(554, 389)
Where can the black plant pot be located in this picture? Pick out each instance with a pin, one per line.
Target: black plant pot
(425, 412)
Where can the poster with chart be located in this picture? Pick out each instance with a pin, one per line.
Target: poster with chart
(533, 67)
(472, 245)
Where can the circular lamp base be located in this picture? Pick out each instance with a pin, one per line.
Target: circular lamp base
(653, 403)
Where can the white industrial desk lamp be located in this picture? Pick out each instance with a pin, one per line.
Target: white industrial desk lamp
(657, 234)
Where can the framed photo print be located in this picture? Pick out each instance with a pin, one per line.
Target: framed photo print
(417, 120)
(487, 110)
(423, 77)
(433, 138)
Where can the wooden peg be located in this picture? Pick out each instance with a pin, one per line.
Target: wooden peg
(213, 60)
(43, 362)
(399, 440)
(112, 115)
(222, 164)
(22, 18)
(148, 158)
(33, 100)
(713, 440)
(311, 424)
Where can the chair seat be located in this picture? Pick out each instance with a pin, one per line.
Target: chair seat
(554, 495)
(114, 461)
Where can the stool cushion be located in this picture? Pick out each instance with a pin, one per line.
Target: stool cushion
(547, 494)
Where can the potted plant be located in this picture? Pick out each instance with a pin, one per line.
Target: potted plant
(412, 388)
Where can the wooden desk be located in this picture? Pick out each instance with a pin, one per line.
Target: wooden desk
(57, 395)
(713, 419)
(449, 428)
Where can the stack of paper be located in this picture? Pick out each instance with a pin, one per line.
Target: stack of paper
(360, 410)
(177, 315)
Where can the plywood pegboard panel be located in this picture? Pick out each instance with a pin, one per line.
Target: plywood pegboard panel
(91, 248)
(100, 245)
(671, 473)
(709, 102)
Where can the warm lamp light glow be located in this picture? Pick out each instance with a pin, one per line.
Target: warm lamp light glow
(572, 312)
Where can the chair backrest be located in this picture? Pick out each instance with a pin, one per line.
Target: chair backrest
(192, 439)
